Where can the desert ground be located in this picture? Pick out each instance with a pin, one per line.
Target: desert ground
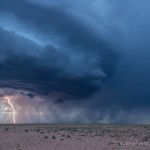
(74, 137)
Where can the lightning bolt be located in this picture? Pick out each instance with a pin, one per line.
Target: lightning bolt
(13, 110)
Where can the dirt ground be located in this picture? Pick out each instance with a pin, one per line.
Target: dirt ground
(83, 137)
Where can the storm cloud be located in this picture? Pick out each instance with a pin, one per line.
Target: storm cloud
(75, 65)
(93, 53)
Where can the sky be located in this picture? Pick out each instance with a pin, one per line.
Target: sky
(75, 62)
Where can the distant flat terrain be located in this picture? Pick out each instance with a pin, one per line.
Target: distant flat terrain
(74, 137)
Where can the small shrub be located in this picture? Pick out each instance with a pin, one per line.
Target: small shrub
(53, 137)
(68, 136)
(46, 137)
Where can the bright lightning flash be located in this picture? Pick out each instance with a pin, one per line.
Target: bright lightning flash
(12, 107)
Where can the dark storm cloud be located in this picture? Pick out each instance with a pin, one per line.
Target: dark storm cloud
(77, 67)
(21, 68)
(94, 50)
(57, 20)
(128, 90)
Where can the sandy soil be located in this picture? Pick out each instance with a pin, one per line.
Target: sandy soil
(50, 137)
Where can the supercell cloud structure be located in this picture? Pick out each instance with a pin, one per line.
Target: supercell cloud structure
(79, 62)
